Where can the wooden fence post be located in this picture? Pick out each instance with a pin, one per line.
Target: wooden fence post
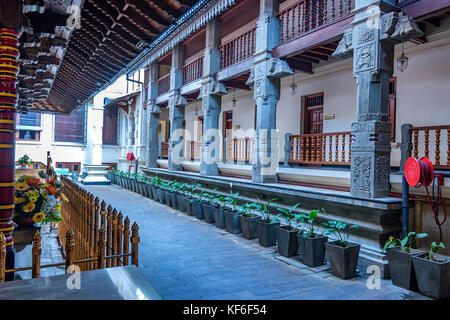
(114, 238)
(134, 244)
(36, 252)
(109, 236)
(2, 257)
(69, 249)
(126, 239)
(101, 248)
(119, 237)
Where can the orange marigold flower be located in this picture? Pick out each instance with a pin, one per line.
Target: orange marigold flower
(52, 190)
(33, 182)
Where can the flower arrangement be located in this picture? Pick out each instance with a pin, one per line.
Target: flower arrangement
(38, 198)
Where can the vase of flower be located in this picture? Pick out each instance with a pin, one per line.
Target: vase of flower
(38, 200)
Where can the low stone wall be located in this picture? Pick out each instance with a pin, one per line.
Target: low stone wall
(378, 218)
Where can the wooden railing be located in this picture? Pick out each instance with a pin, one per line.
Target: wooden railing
(163, 84)
(239, 150)
(238, 49)
(193, 71)
(432, 142)
(93, 236)
(195, 150)
(307, 15)
(101, 235)
(164, 149)
(324, 148)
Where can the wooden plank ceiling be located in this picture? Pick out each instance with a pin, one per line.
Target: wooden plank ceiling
(61, 68)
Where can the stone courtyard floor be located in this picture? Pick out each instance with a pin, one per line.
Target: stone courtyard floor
(185, 258)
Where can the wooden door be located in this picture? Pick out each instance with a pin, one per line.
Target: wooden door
(313, 114)
(227, 124)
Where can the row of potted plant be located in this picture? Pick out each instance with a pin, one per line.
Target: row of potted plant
(418, 270)
(300, 235)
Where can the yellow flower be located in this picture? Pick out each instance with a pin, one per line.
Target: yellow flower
(33, 199)
(21, 186)
(391, 238)
(39, 217)
(29, 207)
(63, 196)
(19, 200)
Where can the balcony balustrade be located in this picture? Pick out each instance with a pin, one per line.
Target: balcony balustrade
(430, 142)
(193, 71)
(163, 84)
(239, 150)
(323, 148)
(308, 15)
(238, 49)
(195, 150)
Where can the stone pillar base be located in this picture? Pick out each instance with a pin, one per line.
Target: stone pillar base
(96, 175)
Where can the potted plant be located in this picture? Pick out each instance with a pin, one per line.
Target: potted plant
(156, 182)
(181, 198)
(218, 211)
(232, 216)
(38, 200)
(433, 272)
(399, 254)
(196, 204)
(25, 161)
(267, 227)
(342, 254)
(287, 235)
(311, 243)
(191, 190)
(174, 189)
(133, 181)
(208, 205)
(248, 219)
(165, 195)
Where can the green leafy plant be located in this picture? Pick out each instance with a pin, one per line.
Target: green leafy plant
(289, 215)
(339, 230)
(25, 160)
(406, 243)
(435, 248)
(309, 220)
(156, 181)
(232, 200)
(263, 208)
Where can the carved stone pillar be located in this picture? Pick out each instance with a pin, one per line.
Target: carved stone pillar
(211, 95)
(153, 116)
(176, 111)
(376, 29)
(265, 77)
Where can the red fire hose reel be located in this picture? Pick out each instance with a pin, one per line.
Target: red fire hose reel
(132, 159)
(420, 172)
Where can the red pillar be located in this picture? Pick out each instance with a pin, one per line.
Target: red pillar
(9, 69)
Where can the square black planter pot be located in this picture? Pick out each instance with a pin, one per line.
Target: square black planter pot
(232, 221)
(312, 250)
(174, 200)
(249, 226)
(401, 267)
(267, 233)
(156, 192)
(167, 196)
(287, 242)
(208, 212)
(150, 191)
(343, 261)
(219, 218)
(134, 186)
(197, 209)
(433, 277)
(189, 210)
(181, 203)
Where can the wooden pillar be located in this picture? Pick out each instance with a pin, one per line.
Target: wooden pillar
(9, 69)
